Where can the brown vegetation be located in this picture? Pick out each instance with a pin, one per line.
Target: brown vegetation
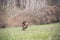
(48, 14)
(2, 19)
(44, 15)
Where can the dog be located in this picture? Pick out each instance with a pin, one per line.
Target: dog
(24, 25)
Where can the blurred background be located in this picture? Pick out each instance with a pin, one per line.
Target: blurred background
(37, 13)
(13, 12)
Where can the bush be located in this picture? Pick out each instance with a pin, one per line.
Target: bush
(3, 8)
(44, 15)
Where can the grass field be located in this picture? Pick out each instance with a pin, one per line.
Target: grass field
(35, 32)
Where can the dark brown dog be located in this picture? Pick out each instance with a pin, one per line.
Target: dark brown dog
(24, 25)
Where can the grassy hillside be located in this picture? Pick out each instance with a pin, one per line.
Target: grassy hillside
(35, 32)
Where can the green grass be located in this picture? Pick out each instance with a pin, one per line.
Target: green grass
(34, 32)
